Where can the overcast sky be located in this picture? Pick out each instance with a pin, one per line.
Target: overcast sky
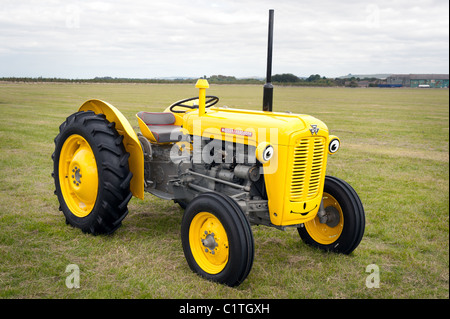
(164, 38)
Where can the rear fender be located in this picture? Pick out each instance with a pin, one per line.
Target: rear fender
(130, 141)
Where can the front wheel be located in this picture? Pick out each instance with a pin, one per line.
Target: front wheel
(344, 228)
(217, 239)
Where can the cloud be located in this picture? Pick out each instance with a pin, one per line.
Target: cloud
(179, 38)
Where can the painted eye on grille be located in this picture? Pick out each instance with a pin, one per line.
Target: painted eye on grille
(268, 153)
(264, 152)
(334, 145)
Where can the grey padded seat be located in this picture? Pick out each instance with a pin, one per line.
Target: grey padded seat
(162, 126)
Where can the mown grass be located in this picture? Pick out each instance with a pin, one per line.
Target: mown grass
(394, 153)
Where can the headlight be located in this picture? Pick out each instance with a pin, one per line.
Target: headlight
(334, 144)
(264, 152)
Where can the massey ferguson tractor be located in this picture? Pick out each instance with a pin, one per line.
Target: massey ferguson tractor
(228, 168)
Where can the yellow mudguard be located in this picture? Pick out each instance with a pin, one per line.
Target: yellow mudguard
(130, 141)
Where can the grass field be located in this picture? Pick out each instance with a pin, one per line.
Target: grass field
(394, 152)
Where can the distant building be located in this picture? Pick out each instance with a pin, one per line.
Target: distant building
(430, 80)
(399, 79)
(419, 80)
(363, 84)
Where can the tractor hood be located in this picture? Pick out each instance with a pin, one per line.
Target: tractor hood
(251, 127)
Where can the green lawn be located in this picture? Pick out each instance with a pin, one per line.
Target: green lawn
(394, 152)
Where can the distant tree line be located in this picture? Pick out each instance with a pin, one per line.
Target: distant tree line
(317, 80)
(287, 79)
(224, 79)
(96, 80)
(312, 80)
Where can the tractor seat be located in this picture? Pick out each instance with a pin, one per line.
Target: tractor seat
(161, 126)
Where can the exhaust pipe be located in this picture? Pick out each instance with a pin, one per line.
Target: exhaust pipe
(268, 87)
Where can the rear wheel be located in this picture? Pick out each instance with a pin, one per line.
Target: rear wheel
(345, 224)
(217, 239)
(91, 173)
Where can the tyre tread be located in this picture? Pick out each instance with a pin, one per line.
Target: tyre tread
(114, 173)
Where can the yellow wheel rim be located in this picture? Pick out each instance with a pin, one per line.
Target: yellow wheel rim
(208, 242)
(322, 233)
(78, 176)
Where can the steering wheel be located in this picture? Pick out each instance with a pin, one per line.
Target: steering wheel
(210, 101)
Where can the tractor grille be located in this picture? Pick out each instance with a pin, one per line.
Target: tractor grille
(307, 169)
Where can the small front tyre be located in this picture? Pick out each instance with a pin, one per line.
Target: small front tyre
(217, 239)
(345, 224)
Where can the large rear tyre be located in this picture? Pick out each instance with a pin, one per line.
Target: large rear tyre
(345, 224)
(91, 173)
(217, 239)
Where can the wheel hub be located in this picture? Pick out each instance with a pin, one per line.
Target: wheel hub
(332, 216)
(209, 242)
(76, 176)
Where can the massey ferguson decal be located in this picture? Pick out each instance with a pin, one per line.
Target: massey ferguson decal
(236, 132)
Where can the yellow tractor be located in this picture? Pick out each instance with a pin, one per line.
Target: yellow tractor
(228, 168)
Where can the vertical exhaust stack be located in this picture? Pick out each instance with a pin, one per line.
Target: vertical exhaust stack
(268, 87)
